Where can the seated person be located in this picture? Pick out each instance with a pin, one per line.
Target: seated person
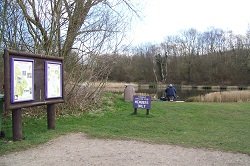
(170, 92)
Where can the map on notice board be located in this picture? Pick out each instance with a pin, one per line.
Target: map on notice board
(22, 80)
(53, 79)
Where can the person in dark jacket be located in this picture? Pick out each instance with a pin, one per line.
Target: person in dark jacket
(170, 92)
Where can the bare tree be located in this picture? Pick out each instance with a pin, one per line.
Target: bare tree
(81, 31)
(10, 25)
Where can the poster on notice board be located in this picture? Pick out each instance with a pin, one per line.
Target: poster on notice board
(53, 81)
(22, 80)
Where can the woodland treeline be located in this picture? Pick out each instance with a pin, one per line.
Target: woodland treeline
(213, 57)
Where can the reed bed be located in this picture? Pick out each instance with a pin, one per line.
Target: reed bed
(225, 96)
(118, 86)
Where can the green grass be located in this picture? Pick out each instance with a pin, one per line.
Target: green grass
(220, 126)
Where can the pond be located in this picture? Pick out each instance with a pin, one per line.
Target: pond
(182, 93)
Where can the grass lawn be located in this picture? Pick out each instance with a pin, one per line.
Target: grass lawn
(220, 126)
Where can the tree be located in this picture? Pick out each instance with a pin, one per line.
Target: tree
(212, 57)
(81, 31)
(10, 25)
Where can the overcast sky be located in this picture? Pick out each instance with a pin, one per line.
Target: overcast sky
(161, 18)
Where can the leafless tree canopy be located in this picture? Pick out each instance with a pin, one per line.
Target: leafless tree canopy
(212, 57)
(78, 30)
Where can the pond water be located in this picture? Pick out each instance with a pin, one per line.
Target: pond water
(182, 94)
(183, 91)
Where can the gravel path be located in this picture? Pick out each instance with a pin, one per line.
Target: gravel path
(78, 149)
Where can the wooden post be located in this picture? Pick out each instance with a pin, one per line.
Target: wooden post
(135, 111)
(17, 124)
(51, 116)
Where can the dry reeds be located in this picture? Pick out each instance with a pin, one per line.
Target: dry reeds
(117, 86)
(225, 96)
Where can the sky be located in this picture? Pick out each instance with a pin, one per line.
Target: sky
(161, 18)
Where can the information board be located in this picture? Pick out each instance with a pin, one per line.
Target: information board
(22, 80)
(143, 102)
(53, 79)
(32, 79)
